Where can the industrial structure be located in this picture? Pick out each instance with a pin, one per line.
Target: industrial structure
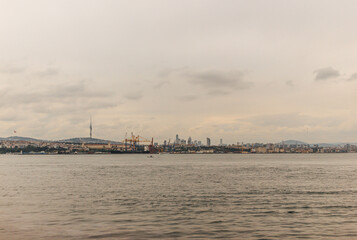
(90, 127)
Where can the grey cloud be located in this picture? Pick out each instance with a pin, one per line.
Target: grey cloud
(49, 72)
(9, 118)
(11, 69)
(219, 93)
(80, 89)
(282, 120)
(161, 83)
(353, 77)
(74, 120)
(292, 120)
(171, 71)
(326, 74)
(134, 96)
(63, 95)
(187, 98)
(71, 107)
(213, 79)
(290, 83)
(166, 74)
(227, 127)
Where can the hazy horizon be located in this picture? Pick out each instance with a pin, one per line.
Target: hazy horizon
(251, 71)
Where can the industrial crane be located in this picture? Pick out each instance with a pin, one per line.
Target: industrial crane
(136, 140)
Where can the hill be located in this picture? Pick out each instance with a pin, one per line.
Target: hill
(16, 138)
(293, 142)
(70, 140)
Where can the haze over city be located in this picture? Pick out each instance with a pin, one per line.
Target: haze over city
(252, 71)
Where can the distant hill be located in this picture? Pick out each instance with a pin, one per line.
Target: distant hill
(16, 138)
(293, 142)
(87, 140)
(341, 144)
(70, 140)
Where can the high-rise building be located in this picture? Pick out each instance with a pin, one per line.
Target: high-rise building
(208, 142)
(189, 141)
(177, 141)
(221, 141)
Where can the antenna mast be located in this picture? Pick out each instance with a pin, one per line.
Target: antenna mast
(90, 127)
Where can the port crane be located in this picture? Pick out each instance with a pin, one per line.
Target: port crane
(133, 141)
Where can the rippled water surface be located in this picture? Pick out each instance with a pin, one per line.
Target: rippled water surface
(178, 196)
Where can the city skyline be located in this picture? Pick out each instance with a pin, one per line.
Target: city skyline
(242, 71)
(217, 141)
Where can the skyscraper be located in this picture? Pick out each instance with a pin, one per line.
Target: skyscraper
(208, 142)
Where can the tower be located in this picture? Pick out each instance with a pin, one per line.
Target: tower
(90, 127)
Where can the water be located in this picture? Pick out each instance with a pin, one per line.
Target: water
(178, 196)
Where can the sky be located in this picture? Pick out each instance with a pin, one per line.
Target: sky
(243, 71)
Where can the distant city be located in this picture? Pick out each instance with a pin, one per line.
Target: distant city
(138, 144)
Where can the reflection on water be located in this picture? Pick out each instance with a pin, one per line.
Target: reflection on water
(178, 196)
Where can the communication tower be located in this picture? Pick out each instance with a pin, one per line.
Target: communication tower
(90, 127)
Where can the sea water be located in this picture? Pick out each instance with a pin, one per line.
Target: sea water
(232, 196)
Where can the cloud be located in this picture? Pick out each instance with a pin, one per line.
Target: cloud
(134, 96)
(49, 72)
(73, 108)
(171, 71)
(214, 79)
(290, 83)
(161, 83)
(353, 77)
(48, 98)
(165, 75)
(326, 74)
(292, 120)
(188, 98)
(9, 118)
(12, 69)
(219, 93)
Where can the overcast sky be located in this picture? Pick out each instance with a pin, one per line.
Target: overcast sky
(252, 71)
